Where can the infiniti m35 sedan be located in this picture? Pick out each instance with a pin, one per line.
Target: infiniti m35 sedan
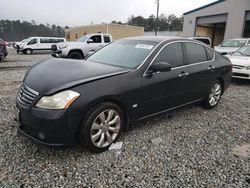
(90, 102)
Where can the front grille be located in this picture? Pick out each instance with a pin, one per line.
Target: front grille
(26, 95)
(238, 67)
(54, 48)
(241, 75)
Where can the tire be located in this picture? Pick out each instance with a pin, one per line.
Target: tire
(101, 127)
(214, 95)
(75, 55)
(28, 51)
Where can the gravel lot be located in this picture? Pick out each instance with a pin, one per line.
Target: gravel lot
(190, 147)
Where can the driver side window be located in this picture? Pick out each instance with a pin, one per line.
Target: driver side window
(96, 39)
(171, 54)
(33, 41)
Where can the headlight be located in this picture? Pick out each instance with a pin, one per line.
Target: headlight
(60, 100)
(63, 46)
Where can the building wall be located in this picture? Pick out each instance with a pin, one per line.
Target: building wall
(236, 10)
(123, 31)
(117, 31)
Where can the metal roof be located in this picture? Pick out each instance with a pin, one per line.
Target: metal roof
(205, 6)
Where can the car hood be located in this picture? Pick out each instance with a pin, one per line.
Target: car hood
(54, 74)
(240, 60)
(70, 43)
(225, 49)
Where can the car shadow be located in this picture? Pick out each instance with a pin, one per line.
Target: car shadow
(243, 82)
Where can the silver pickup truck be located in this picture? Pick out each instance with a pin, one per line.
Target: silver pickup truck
(82, 47)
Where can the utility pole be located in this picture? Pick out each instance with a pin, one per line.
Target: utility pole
(157, 17)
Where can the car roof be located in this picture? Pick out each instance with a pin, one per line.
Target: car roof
(159, 39)
(154, 38)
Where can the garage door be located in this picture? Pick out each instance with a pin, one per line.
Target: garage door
(248, 16)
(212, 19)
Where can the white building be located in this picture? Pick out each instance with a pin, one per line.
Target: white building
(220, 20)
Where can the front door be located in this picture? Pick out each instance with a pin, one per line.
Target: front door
(94, 43)
(165, 90)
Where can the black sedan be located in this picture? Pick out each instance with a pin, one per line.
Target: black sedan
(64, 102)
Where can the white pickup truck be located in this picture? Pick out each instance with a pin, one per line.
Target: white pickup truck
(82, 47)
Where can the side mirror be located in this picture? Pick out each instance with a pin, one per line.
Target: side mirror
(90, 41)
(160, 67)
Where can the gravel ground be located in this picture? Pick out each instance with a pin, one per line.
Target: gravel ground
(189, 147)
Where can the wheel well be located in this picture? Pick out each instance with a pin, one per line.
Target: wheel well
(77, 50)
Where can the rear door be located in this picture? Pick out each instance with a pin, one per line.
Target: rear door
(165, 90)
(201, 68)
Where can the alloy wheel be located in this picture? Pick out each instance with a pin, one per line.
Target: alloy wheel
(215, 94)
(105, 128)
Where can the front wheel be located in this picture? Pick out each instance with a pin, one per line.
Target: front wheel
(28, 51)
(75, 55)
(214, 95)
(101, 127)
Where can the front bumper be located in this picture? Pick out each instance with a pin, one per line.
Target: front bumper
(58, 54)
(48, 127)
(241, 73)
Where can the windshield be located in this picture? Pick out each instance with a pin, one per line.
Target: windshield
(124, 53)
(83, 38)
(24, 40)
(233, 43)
(244, 51)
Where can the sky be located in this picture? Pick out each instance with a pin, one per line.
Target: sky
(83, 12)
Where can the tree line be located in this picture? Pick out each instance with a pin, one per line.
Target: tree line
(164, 23)
(15, 30)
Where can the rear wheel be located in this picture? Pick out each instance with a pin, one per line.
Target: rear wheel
(76, 55)
(101, 127)
(213, 97)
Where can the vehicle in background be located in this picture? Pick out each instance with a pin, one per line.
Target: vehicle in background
(82, 47)
(231, 45)
(241, 62)
(64, 101)
(205, 40)
(32, 44)
(3, 50)
(17, 45)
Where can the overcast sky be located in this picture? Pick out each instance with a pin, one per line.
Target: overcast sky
(82, 12)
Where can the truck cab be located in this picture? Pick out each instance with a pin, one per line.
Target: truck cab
(82, 47)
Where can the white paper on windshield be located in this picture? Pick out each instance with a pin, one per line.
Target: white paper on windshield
(144, 46)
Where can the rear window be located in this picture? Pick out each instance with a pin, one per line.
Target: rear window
(195, 53)
(210, 54)
(106, 39)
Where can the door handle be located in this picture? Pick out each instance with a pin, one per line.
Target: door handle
(211, 67)
(183, 74)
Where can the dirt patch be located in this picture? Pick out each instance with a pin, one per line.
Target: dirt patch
(242, 151)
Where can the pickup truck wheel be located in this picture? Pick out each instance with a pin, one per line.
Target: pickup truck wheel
(76, 55)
